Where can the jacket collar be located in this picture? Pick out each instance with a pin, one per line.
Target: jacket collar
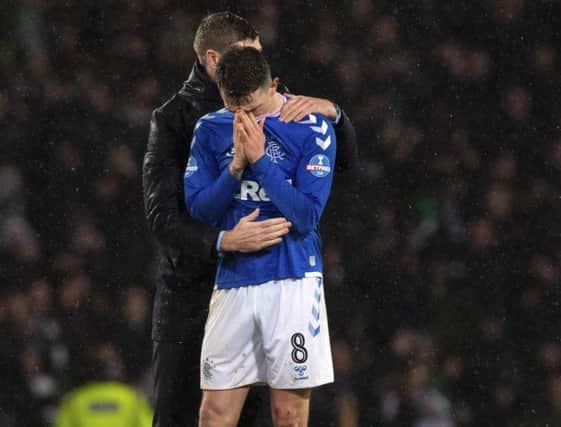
(200, 83)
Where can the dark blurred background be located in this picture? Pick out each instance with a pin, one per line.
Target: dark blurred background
(442, 251)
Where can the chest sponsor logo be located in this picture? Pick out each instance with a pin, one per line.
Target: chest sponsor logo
(251, 190)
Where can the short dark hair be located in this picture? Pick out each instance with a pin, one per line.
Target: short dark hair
(240, 72)
(221, 30)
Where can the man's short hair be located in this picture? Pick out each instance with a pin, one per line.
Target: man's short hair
(221, 30)
(240, 72)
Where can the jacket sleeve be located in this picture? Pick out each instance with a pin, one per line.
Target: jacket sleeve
(347, 149)
(302, 201)
(162, 179)
(208, 192)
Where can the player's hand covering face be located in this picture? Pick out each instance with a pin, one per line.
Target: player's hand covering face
(239, 161)
(251, 135)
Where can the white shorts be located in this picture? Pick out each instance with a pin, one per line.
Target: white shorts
(275, 333)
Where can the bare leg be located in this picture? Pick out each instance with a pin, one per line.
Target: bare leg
(221, 408)
(290, 408)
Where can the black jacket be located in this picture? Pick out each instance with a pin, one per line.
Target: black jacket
(186, 259)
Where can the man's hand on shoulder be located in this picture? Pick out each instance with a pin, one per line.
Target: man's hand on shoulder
(299, 106)
(250, 235)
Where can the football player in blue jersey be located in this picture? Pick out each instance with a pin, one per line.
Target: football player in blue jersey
(185, 261)
(267, 321)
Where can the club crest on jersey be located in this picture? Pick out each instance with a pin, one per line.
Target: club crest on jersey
(192, 167)
(319, 166)
(274, 152)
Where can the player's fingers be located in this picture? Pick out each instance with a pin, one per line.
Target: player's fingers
(251, 126)
(253, 121)
(242, 116)
(244, 134)
(247, 124)
(236, 121)
(238, 128)
(238, 116)
(236, 137)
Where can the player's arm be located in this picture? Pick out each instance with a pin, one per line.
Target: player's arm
(208, 191)
(298, 107)
(303, 201)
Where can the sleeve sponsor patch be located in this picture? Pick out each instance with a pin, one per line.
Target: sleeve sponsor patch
(192, 167)
(319, 166)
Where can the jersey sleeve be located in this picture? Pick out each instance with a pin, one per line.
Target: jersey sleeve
(303, 201)
(208, 192)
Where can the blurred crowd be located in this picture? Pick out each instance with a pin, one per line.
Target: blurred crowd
(442, 251)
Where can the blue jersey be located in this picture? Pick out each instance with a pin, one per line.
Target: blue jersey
(292, 180)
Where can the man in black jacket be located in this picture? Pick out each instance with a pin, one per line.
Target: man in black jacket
(187, 249)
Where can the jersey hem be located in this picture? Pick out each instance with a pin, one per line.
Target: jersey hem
(232, 285)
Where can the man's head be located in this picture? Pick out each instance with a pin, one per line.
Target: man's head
(244, 79)
(219, 31)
